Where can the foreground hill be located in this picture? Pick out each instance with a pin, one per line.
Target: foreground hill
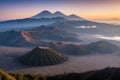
(103, 74)
(5, 76)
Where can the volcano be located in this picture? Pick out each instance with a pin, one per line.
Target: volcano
(42, 56)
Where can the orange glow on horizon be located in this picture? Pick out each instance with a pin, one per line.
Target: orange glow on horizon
(27, 14)
(106, 10)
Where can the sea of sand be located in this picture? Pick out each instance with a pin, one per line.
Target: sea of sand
(9, 62)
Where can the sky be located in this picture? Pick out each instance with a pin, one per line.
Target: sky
(88, 9)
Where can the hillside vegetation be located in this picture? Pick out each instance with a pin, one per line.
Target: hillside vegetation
(5, 76)
(104, 74)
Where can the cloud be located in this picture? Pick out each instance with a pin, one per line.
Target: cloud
(114, 38)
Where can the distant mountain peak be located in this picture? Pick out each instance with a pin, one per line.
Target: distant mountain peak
(43, 14)
(45, 11)
(59, 14)
(48, 14)
(74, 17)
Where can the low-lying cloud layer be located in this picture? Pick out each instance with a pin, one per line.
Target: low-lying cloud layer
(114, 38)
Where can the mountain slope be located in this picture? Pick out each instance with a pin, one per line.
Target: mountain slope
(102, 47)
(14, 38)
(69, 49)
(28, 23)
(99, 47)
(35, 37)
(54, 34)
(90, 27)
(71, 23)
(45, 36)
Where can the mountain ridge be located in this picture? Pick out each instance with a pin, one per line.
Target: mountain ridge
(48, 14)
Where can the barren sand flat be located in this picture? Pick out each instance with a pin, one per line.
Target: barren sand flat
(74, 63)
(13, 51)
